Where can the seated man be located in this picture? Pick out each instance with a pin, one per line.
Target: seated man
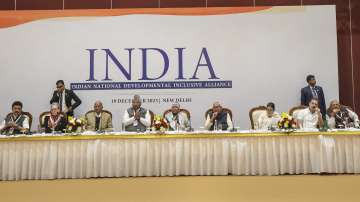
(136, 118)
(269, 119)
(15, 122)
(98, 120)
(55, 122)
(217, 119)
(176, 119)
(310, 118)
(341, 117)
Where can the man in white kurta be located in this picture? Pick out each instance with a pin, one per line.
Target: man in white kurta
(310, 118)
(218, 119)
(15, 122)
(177, 119)
(136, 118)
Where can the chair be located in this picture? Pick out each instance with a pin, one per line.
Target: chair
(295, 110)
(30, 119)
(42, 118)
(152, 117)
(28, 115)
(224, 109)
(106, 111)
(254, 115)
(181, 110)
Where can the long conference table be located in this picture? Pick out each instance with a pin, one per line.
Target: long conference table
(44, 156)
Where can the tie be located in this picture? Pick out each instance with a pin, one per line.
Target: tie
(60, 101)
(97, 123)
(314, 93)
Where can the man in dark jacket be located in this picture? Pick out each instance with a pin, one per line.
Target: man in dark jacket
(313, 91)
(65, 97)
(218, 119)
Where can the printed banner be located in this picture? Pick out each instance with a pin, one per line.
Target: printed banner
(241, 57)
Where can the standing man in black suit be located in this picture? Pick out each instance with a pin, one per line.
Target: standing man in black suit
(313, 91)
(64, 97)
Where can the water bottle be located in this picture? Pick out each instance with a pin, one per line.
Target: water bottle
(177, 127)
(325, 126)
(11, 131)
(220, 127)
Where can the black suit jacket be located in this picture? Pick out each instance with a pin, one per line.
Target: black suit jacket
(59, 128)
(69, 96)
(306, 96)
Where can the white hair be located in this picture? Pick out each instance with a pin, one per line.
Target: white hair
(216, 103)
(55, 104)
(137, 98)
(99, 102)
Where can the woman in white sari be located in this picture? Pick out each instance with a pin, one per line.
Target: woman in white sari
(269, 120)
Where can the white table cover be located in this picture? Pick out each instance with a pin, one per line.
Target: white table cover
(31, 158)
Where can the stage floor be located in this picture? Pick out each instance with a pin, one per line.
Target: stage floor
(171, 189)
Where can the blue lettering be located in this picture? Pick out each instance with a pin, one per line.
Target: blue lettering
(144, 60)
(180, 60)
(127, 74)
(92, 52)
(207, 64)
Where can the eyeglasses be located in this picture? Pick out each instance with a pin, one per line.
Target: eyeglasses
(59, 86)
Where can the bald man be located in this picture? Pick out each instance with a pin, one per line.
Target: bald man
(218, 118)
(98, 120)
(136, 118)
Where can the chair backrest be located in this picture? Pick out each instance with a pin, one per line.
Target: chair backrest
(42, 117)
(295, 110)
(347, 107)
(254, 115)
(152, 117)
(28, 115)
(30, 119)
(106, 111)
(224, 109)
(181, 110)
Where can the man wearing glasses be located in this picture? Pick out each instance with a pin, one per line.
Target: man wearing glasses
(65, 97)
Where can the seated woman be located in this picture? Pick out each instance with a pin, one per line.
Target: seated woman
(269, 119)
(55, 122)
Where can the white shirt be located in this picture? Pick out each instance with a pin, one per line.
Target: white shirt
(25, 123)
(145, 121)
(309, 119)
(314, 91)
(266, 122)
(208, 122)
(63, 107)
(184, 123)
(2, 123)
(352, 115)
(2, 126)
